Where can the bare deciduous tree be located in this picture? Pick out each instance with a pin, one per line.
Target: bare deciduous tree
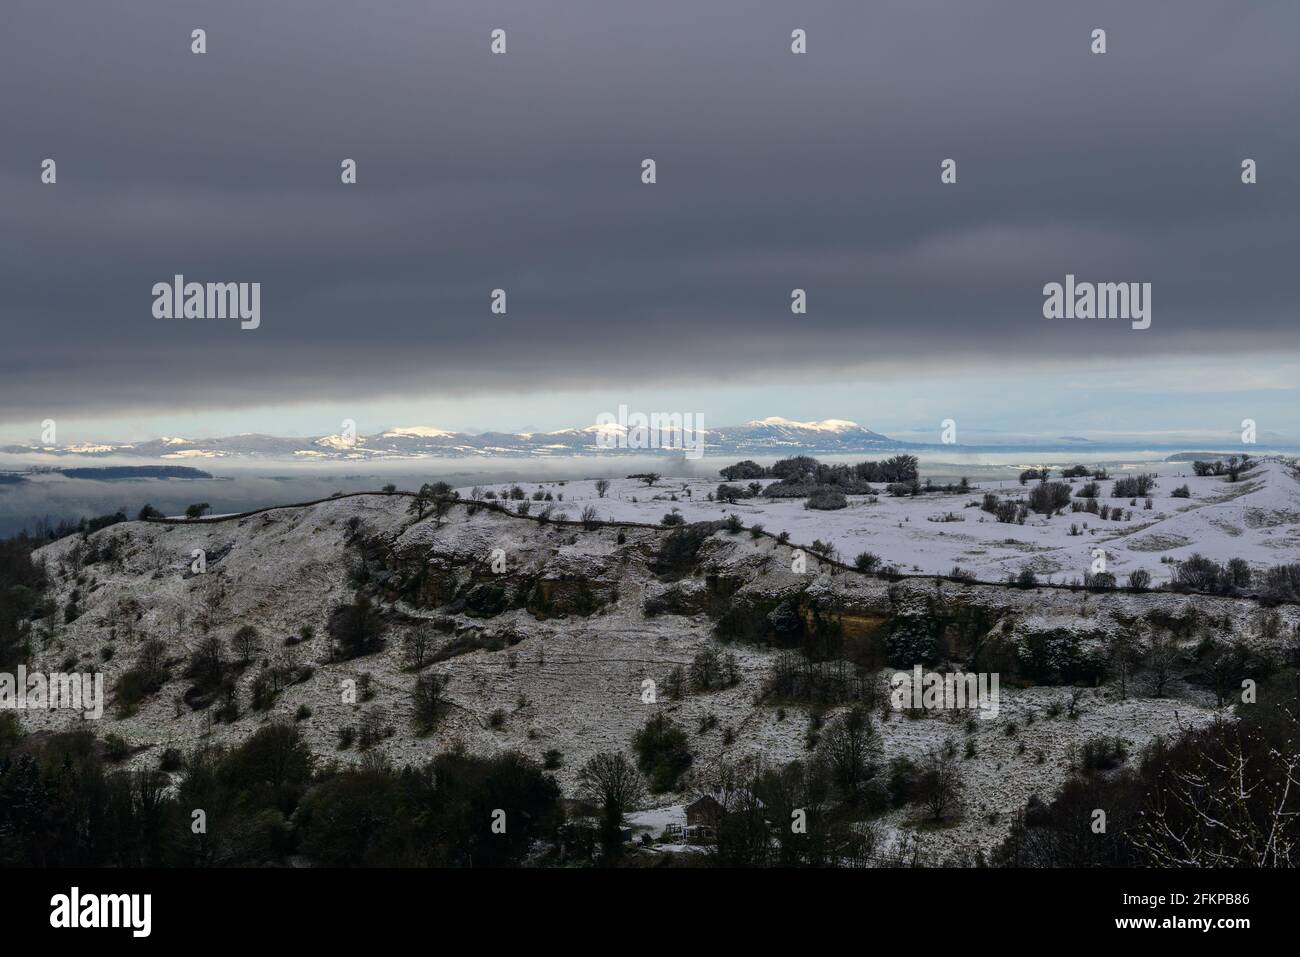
(246, 643)
(705, 670)
(437, 496)
(213, 597)
(614, 783)
(1123, 656)
(941, 782)
(207, 663)
(1161, 656)
(851, 749)
(152, 659)
(429, 697)
(417, 647)
(1237, 807)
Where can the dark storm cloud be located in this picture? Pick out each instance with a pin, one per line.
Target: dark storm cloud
(522, 171)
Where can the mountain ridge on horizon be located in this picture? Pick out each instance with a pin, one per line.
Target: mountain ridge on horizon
(773, 435)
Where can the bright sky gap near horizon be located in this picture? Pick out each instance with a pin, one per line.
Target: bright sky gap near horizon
(775, 171)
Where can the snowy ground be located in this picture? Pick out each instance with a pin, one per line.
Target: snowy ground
(1256, 518)
(574, 684)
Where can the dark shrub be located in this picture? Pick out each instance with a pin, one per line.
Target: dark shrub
(429, 697)
(911, 641)
(663, 752)
(1046, 498)
(1133, 486)
(355, 629)
(1103, 753)
(1281, 584)
(826, 500)
(866, 562)
(1101, 581)
(731, 493)
(679, 549)
(207, 664)
(742, 471)
(1198, 573)
(1055, 657)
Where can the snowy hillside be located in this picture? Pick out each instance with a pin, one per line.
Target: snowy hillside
(1256, 519)
(550, 653)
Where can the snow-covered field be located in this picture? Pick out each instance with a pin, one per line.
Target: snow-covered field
(1256, 518)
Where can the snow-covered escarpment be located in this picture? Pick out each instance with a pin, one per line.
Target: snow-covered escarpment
(547, 634)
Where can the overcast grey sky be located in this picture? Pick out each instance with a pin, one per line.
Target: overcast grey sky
(522, 171)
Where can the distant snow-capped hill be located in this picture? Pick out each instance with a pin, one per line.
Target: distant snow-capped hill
(770, 436)
(778, 434)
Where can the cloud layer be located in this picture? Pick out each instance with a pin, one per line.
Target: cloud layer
(522, 171)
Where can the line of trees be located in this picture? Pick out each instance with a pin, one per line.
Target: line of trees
(64, 802)
(805, 470)
(1232, 467)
